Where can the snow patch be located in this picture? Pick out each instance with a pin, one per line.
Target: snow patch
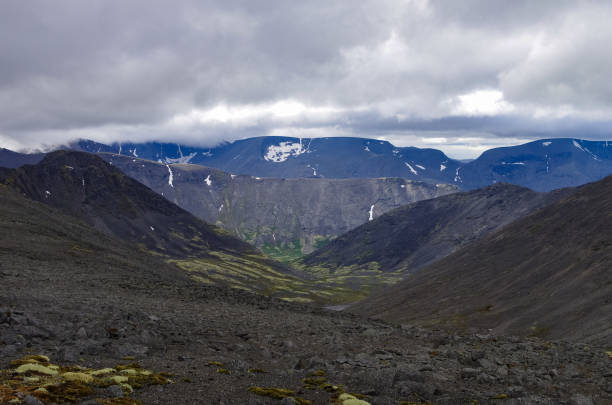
(367, 149)
(442, 168)
(221, 207)
(513, 163)
(371, 213)
(403, 186)
(314, 170)
(152, 228)
(134, 153)
(233, 176)
(420, 167)
(47, 193)
(206, 154)
(208, 181)
(171, 178)
(547, 143)
(283, 151)
(181, 159)
(411, 168)
(457, 177)
(585, 150)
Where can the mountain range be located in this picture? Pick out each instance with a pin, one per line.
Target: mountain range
(541, 165)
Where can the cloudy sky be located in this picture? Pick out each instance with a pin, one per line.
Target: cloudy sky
(461, 76)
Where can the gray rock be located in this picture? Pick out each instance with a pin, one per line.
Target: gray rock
(580, 399)
(81, 333)
(114, 391)
(469, 372)
(30, 400)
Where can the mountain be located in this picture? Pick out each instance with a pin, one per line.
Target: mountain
(114, 319)
(83, 185)
(284, 217)
(284, 157)
(547, 274)
(11, 159)
(405, 239)
(541, 165)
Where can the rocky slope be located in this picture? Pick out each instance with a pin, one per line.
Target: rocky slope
(284, 217)
(542, 165)
(405, 239)
(546, 274)
(89, 308)
(83, 185)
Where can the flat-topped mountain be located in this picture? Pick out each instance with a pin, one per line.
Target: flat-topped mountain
(547, 274)
(541, 165)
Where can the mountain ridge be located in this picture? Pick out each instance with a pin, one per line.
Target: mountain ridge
(546, 274)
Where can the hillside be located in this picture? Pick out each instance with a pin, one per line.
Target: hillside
(405, 239)
(547, 274)
(83, 185)
(284, 217)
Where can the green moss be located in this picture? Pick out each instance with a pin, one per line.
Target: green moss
(223, 371)
(276, 393)
(256, 370)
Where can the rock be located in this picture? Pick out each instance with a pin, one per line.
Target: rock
(287, 401)
(580, 399)
(408, 374)
(81, 333)
(130, 349)
(30, 400)
(114, 391)
(469, 372)
(409, 388)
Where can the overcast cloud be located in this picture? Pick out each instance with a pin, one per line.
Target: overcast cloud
(460, 76)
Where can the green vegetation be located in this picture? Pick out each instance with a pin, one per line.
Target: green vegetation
(284, 252)
(35, 375)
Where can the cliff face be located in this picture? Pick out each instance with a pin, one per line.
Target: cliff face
(284, 217)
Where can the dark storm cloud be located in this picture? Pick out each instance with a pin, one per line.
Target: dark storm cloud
(154, 69)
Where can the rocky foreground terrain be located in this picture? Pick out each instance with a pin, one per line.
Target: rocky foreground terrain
(90, 303)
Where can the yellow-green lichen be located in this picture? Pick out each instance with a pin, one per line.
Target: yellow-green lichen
(78, 377)
(35, 368)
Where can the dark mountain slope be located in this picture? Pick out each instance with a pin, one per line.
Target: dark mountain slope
(285, 217)
(546, 274)
(410, 237)
(85, 186)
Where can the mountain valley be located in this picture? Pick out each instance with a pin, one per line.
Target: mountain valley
(546, 274)
(93, 304)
